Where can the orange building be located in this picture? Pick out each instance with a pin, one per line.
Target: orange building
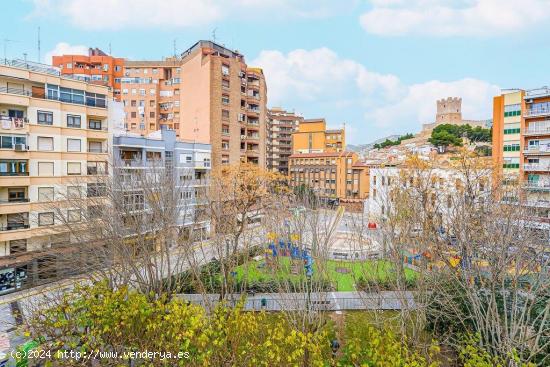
(96, 68)
(313, 137)
(331, 175)
(208, 95)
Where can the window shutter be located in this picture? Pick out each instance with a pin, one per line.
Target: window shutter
(45, 168)
(45, 143)
(74, 145)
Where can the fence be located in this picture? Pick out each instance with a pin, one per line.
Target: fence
(321, 301)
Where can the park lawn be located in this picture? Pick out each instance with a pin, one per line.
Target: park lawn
(368, 269)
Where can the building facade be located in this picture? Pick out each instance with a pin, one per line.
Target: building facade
(330, 175)
(313, 137)
(96, 68)
(280, 126)
(208, 95)
(54, 138)
(535, 144)
(187, 163)
(507, 117)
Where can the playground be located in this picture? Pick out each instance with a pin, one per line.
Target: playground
(284, 261)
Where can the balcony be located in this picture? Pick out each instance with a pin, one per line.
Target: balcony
(537, 150)
(537, 111)
(538, 130)
(538, 186)
(13, 123)
(537, 93)
(253, 137)
(536, 167)
(18, 91)
(13, 227)
(14, 201)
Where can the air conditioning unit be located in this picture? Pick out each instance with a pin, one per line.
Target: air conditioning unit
(243, 137)
(20, 147)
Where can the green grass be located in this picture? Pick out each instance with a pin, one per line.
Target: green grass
(375, 270)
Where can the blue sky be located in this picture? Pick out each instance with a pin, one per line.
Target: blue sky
(376, 65)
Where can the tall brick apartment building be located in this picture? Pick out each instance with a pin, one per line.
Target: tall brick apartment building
(208, 95)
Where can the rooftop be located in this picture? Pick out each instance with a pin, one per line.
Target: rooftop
(322, 155)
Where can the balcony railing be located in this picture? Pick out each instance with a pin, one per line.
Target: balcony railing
(18, 91)
(540, 92)
(538, 130)
(14, 201)
(14, 173)
(97, 150)
(538, 111)
(536, 185)
(8, 123)
(537, 150)
(13, 227)
(536, 167)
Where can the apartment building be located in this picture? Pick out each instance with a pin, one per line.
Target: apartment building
(187, 162)
(208, 95)
(281, 124)
(97, 68)
(535, 143)
(313, 137)
(332, 176)
(53, 133)
(507, 117)
(151, 95)
(521, 141)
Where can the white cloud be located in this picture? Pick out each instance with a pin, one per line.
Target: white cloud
(419, 103)
(319, 74)
(442, 18)
(325, 83)
(63, 48)
(121, 14)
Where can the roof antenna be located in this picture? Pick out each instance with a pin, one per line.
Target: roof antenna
(175, 53)
(214, 35)
(38, 44)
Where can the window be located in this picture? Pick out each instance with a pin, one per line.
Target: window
(94, 124)
(225, 83)
(96, 189)
(45, 168)
(69, 66)
(225, 69)
(511, 131)
(152, 114)
(225, 114)
(133, 115)
(74, 192)
(152, 103)
(95, 147)
(133, 103)
(45, 143)
(225, 99)
(8, 141)
(74, 145)
(125, 91)
(45, 194)
(142, 92)
(117, 67)
(45, 219)
(45, 118)
(73, 121)
(141, 103)
(74, 215)
(152, 92)
(97, 168)
(73, 168)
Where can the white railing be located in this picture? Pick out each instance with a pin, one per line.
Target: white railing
(536, 167)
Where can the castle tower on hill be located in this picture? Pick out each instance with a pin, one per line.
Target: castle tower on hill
(449, 111)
